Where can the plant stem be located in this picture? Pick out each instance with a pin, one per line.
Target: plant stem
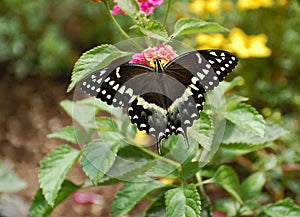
(147, 151)
(115, 21)
(167, 12)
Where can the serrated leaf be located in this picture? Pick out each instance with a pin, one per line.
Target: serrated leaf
(226, 86)
(130, 7)
(83, 114)
(69, 134)
(54, 169)
(39, 205)
(206, 208)
(157, 208)
(238, 138)
(195, 26)
(154, 29)
(92, 60)
(130, 194)
(202, 131)
(97, 159)
(252, 186)
(183, 201)
(247, 117)
(227, 178)
(286, 208)
(107, 130)
(10, 181)
(232, 100)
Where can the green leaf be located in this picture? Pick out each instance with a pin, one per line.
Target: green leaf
(226, 86)
(106, 124)
(69, 134)
(154, 29)
(227, 178)
(183, 201)
(157, 208)
(94, 59)
(237, 138)
(97, 159)
(202, 131)
(39, 205)
(54, 169)
(130, 7)
(195, 26)
(130, 194)
(107, 130)
(232, 100)
(252, 186)
(190, 169)
(286, 208)
(10, 181)
(206, 208)
(82, 113)
(101, 106)
(247, 117)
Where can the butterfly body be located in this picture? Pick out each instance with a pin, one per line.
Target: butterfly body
(166, 99)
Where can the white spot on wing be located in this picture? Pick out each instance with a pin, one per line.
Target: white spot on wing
(121, 90)
(116, 87)
(213, 53)
(199, 58)
(200, 75)
(111, 83)
(129, 91)
(206, 71)
(102, 72)
(194, 80)
(117, 72)
(99, 80)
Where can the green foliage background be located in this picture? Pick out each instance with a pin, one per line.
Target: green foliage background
(47, 37)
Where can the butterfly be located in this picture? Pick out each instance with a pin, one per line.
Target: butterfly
(165, 99)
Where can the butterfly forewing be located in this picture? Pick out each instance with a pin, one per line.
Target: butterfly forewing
(110, 84)
(203, 67)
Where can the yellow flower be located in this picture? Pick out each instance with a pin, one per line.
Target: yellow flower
(142, 138)
(254, 4)
(248, 46)
(212, 41)
(200, 6)
(168, 181)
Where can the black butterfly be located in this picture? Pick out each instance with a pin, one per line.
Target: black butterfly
(165, 99)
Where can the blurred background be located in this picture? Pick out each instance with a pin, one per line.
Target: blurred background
(41, 40)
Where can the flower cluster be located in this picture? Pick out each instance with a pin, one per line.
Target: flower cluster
(163, 52)
(238, 41)
(146, 6)
(214, 6)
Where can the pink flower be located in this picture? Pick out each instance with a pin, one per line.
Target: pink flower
(117, 10)
(166, 52)
(146, 6)
(150, 53)
(87, 198)
(139, 59)
(146, 57)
